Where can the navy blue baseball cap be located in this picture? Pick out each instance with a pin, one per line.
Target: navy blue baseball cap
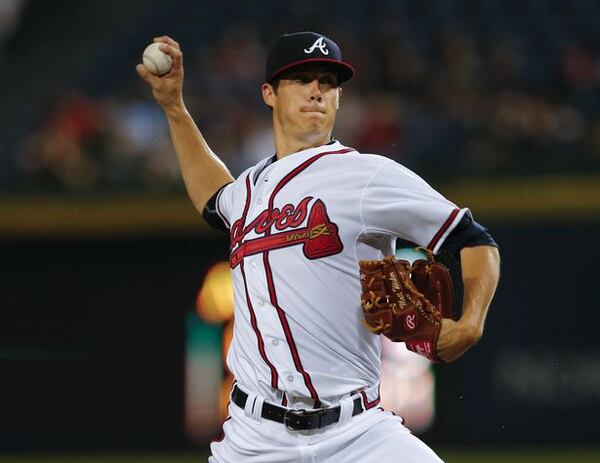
(292, 50)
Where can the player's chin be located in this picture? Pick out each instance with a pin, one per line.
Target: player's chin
(315, 120)
(312, 127)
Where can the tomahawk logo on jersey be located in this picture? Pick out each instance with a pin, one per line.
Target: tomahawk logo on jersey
(319, 238)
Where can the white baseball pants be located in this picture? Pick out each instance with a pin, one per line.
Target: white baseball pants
(372, 436)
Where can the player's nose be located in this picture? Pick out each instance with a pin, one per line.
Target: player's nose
(315, 90)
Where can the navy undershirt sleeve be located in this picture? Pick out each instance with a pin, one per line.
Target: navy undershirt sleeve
(210, 213)
(467, 233)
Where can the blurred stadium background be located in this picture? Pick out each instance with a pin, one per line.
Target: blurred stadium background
(110, 339)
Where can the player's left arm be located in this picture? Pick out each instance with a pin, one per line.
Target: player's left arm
(480, 267)
(421, 215)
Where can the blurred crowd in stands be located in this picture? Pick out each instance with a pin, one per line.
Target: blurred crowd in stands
(509, 95)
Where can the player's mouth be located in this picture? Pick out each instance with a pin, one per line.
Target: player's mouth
(312, 109)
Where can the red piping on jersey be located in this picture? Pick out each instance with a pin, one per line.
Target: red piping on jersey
(443, 229)
(286, 329)
(300, 168)
(260, 341)
(247, 205)
(280, 312)
(368, 405)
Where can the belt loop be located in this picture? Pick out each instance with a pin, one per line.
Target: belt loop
(346, 408)
(249, 407)
(257, 409)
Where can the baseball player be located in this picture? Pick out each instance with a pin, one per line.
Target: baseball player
(306, 369)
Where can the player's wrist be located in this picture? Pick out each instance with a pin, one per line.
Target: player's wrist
(175, 110)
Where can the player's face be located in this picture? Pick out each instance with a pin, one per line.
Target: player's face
(306, 101)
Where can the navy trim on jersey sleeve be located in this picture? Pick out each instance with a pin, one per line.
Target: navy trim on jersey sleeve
(211, 215)
(467, 233)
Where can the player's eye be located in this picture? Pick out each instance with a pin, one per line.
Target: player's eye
(329, 80)
(302, 78)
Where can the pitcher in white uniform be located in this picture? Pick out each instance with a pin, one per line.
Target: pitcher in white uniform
(306, 369)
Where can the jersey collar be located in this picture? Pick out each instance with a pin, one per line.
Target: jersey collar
(262, 165)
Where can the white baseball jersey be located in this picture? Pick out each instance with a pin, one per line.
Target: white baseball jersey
(299, 227)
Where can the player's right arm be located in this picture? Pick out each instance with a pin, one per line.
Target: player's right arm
(203, 172)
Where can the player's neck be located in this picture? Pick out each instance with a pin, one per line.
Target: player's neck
(286, 145)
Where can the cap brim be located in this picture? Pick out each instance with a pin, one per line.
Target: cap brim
(345, 71)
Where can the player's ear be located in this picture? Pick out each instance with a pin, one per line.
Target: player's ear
(340, 92)
(268, 94)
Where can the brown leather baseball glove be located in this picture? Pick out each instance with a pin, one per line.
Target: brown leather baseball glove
(407, 302)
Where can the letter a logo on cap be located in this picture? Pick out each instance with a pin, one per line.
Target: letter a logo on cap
(318, 44)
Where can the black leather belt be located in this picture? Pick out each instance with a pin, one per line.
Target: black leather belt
(297, 420)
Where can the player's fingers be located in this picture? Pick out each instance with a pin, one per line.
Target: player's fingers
(174, 53)
(145, 74)
(168, 40)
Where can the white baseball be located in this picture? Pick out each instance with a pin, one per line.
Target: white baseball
(155, 60)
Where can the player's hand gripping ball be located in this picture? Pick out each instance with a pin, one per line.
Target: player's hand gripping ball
(155, 60)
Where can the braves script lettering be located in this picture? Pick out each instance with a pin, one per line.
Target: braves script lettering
(288, 217)
(319, 238)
